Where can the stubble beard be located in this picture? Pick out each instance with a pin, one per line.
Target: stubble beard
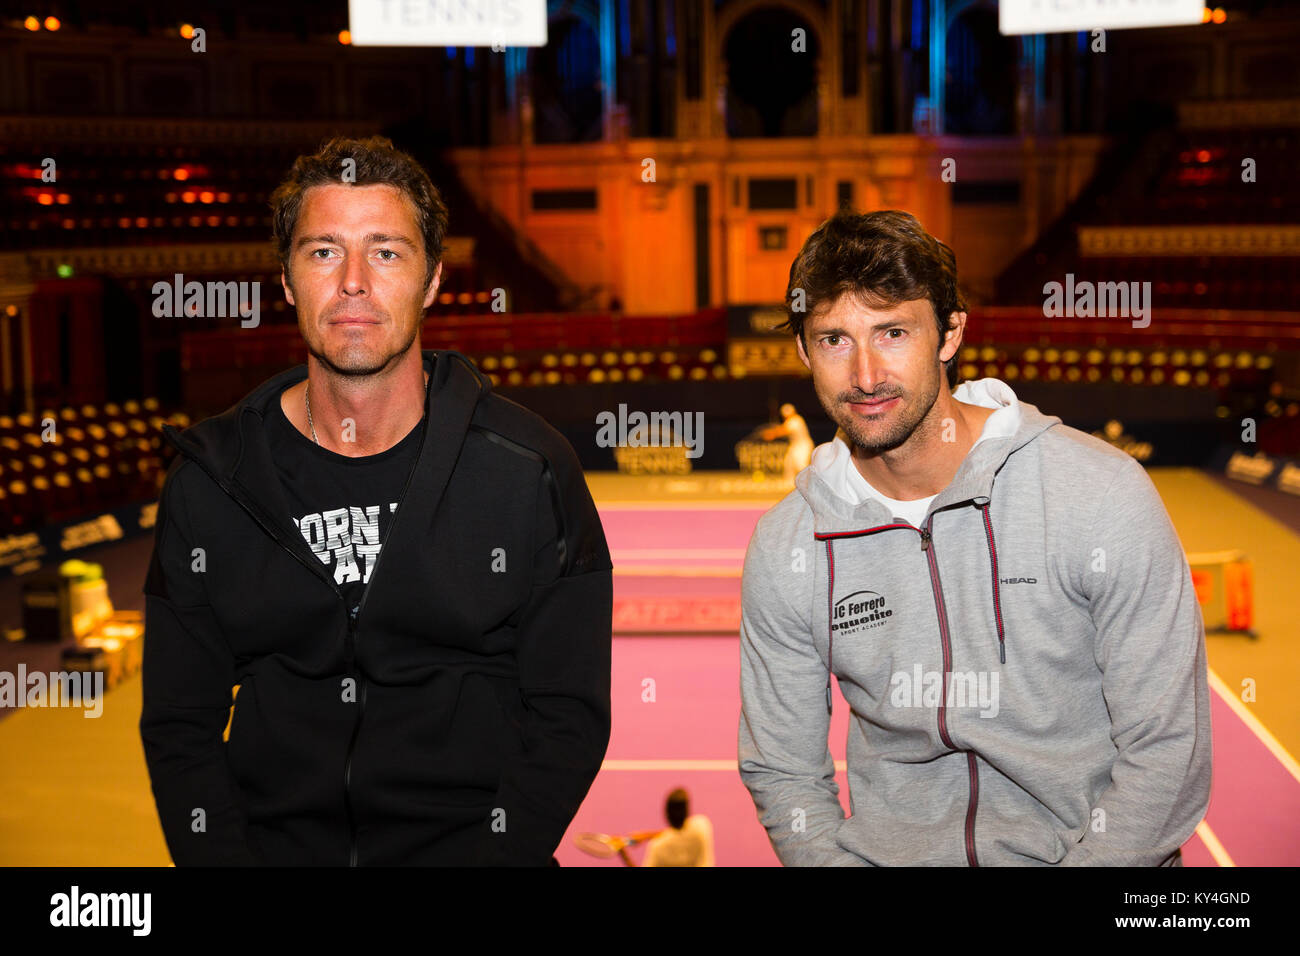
(870, 439)
(356, 361)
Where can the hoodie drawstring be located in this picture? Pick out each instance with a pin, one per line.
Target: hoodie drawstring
(830, 618)
(993, 560)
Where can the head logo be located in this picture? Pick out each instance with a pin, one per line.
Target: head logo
(859, 611)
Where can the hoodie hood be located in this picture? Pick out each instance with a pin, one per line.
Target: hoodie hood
(233, 449)
(972, 483)
(222, 443)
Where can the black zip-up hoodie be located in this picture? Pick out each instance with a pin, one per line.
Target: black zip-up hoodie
(457, 715)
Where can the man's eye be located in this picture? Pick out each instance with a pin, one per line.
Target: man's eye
(827, 339)
(899, 331)
(389, 252)
(313, 254)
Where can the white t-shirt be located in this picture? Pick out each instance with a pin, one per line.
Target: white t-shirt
(692, 845)
(834, 461)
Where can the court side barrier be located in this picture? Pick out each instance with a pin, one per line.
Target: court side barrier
(1225, 589)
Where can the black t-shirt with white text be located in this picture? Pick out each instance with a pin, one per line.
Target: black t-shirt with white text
(343, 506)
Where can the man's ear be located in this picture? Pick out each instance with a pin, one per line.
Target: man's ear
(803, 355)
(288, 291)
(432, 292)
(952, 338)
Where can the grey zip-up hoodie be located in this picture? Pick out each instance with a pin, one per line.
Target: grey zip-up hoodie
(1026, 671)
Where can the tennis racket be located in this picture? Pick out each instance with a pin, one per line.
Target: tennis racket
(603, 845)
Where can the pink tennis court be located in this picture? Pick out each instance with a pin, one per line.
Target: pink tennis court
(676, 703)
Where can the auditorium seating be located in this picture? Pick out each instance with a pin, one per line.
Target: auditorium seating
(97, 458)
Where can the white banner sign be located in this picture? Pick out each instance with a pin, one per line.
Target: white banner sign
(1069, 16)
(494, 23)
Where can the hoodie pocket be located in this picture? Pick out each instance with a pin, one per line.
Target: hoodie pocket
(509, 701)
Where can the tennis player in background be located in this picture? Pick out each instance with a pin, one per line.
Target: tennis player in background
(688, 840)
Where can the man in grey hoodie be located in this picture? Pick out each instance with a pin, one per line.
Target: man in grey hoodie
(1002, 598)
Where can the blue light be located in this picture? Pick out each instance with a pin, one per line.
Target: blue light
(469, 56)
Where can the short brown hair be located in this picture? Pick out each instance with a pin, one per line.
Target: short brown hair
(884, 259)
(377, 161)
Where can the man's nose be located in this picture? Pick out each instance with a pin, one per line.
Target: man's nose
(356, 276)
(866, 369)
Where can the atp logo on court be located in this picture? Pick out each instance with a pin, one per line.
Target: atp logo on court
(860, 611)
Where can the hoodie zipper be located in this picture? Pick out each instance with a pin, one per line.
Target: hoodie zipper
(927, 546)
(354, 616)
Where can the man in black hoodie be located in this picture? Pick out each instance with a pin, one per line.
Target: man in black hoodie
(403, 573)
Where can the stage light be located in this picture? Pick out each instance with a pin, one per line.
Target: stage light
(1220, 15)
(32, 24)
(64, 271)
(187, 31)
(181, 173)
(345, 37)
(52, 24)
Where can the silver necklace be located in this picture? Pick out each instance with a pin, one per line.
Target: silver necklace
(307, 396)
